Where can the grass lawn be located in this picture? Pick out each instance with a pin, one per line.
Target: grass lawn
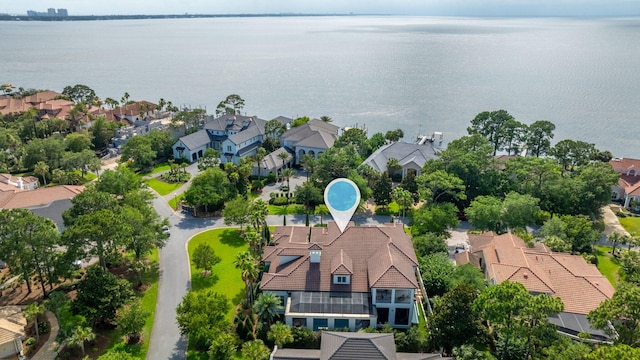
(148, 301)
(631, 224)
(392, 209)
(174, 201)
(225, 278)
(161, 187)
(607, 264)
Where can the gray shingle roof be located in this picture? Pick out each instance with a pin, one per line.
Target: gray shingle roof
(254, 129)
(196, 140)
(315, 134)
(221, 123)
(403, 152)
(356, 346)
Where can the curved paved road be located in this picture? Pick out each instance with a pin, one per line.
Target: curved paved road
(174, 282)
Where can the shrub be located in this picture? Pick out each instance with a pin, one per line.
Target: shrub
(30, 341)
(280, 201)
(271, 178)
(256, 185)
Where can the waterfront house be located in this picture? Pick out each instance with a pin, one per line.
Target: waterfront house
(234, 136)
(313, 138)
(579, 285)
(364, 276)
(628, 187)
(411, 157)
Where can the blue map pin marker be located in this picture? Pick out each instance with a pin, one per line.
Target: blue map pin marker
(342, 198)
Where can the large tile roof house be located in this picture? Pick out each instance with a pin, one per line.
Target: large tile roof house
(313, 138)
(47, 202)
(234, 136)
(411, 157)
(579, 285)
(351, 346)
(628, 187)
(365, 276)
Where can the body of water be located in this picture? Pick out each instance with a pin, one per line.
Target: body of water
(421, 74)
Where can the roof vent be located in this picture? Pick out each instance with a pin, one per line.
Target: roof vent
(526, 276)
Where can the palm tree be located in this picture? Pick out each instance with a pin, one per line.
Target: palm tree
(280, 334)
(79, 336)
(393, 166)
(321, 210)
(326, 119)
(287, 174)
(283, 156)
(42, 169)
(32, 312)
(247, 263)
(267, 307)
(125, 98)
(260, 154)
(617, 238)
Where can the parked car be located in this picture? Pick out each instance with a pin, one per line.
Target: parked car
(166, 230)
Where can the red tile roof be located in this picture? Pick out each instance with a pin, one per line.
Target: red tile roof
(506, 257)
(382, 256)
(16, 198)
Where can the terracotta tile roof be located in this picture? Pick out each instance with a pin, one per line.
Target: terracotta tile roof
(623, 165)
(39, 197)
(580, 285)
(381, 254)
(341, 264)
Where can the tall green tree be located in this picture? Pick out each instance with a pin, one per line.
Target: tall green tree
(484, 214)
(255, 350)
(435, 218)
(453, 322)
(77, 142)
(232, 104)
(42, 169)
(80, 93)
(210, 190)
(382, 191)
(138, 150)
(622, 312)
(130, 320)
(440, 184)
(100, 295)
(436, 270)
(202, 316)
(236, 212)
(516, 316)
(491, 125)
(204, 257)
(538, 137)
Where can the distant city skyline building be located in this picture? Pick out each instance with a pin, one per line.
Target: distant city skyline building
(51, 12)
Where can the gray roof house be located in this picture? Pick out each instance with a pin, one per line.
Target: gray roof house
(243, 133)
(313, 138)
(351, 346)
(272, 163)
(411, 157)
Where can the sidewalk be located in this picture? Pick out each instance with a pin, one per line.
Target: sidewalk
(49, 351)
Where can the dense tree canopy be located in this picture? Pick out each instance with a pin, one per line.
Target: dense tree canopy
(210, 190)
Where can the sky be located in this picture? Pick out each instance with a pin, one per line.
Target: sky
(392, 7)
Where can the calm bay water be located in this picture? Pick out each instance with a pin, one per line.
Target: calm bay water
(422, 74)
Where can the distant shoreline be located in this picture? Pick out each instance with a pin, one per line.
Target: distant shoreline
(4, 17)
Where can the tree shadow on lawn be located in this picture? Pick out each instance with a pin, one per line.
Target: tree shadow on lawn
(203, 282)
(231, 237)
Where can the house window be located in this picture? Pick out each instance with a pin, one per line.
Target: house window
(383, 316)
(281, 298)
(341, 279)
(228, 148)
(341, 323)
(403, 296)
(383, 296)
(402, 316)
(299, 322)
(320, 324)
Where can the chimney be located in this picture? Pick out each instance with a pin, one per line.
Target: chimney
(314, 255)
